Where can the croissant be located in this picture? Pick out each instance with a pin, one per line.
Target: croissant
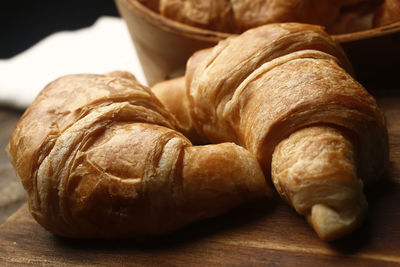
(284, 92)
(388, 13)
(103, 156)
(236, 16)
(99, 156)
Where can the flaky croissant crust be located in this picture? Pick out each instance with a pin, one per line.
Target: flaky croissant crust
(237, 16)
(99, 156)
(103, 156)
(302, 77)
(263, 88)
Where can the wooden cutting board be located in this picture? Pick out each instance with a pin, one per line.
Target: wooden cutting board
(253, 234)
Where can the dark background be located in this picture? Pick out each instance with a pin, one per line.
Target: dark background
(24, 23)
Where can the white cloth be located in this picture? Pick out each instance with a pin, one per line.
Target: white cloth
(105, 46)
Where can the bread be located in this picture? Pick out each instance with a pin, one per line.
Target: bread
(388, 13)
(99, 157)
(173, 96)
(103, 156)
(284, 92)
(236, 16)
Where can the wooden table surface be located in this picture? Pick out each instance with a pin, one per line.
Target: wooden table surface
(12, 195)
(253, 234)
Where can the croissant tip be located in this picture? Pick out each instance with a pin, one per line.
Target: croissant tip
(331, 224)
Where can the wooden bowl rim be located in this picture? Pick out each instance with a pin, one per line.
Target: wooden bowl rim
(196, 33)
(368, 34)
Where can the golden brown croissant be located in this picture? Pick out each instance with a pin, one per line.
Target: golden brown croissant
(282, 92)
(388, 13)
(99, 156)
(236, 16)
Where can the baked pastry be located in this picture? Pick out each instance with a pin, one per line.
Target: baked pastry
(284, 92)
(388, 13)
(236, 16)
(103, 156)
(99, 156)
(173, 97)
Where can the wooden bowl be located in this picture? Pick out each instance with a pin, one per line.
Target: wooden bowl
(163, 45)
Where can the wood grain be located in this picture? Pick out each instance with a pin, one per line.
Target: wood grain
(12, 195)
(251, 235)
